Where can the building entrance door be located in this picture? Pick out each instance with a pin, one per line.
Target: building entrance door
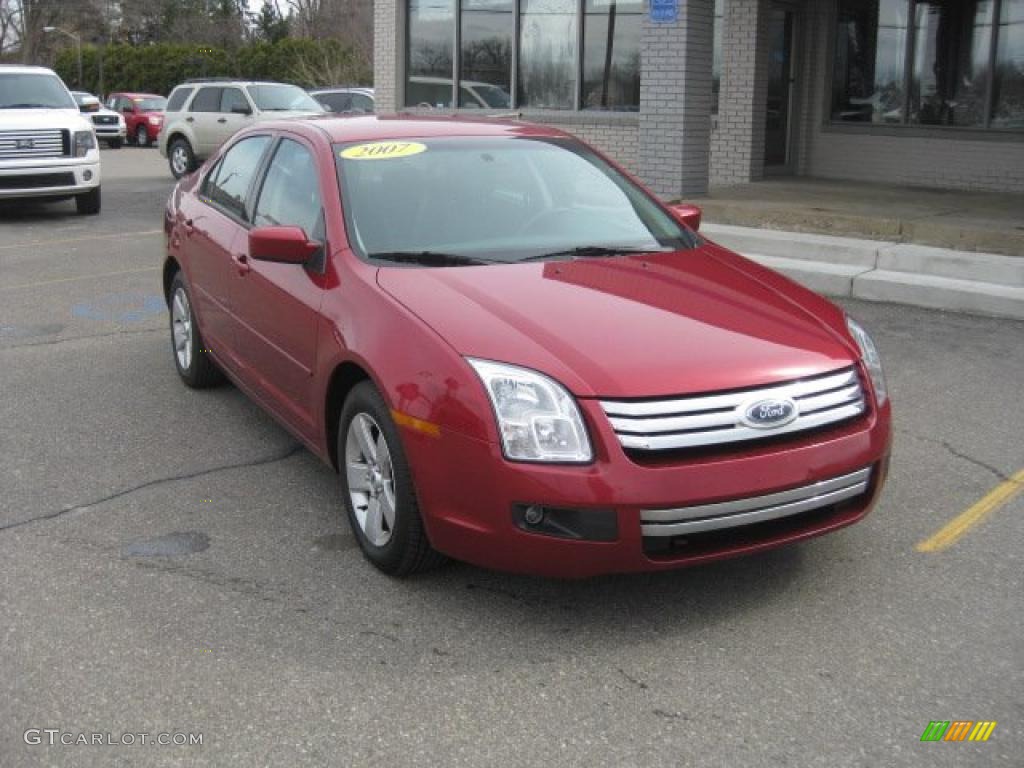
(778, 132)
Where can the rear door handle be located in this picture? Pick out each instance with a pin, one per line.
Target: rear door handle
(189, 227)
(222, 120)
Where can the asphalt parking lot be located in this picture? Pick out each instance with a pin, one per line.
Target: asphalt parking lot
(282, 647)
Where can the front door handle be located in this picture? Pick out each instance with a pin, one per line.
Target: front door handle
(242, 263)
(190, 119)
(189, 227)
(222, 120)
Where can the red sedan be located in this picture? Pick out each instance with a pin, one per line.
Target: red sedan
(513, 354)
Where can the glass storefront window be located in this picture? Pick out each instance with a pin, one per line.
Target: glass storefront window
(429, 53)
(1008, 85)
(486, 63)
(867, 74)
(952, 41)
(547, 54)
(611, 54)
(948, 45)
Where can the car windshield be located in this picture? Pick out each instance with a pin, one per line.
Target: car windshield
(153, 104)
(283, 98)
(30, 90)
(470, 200)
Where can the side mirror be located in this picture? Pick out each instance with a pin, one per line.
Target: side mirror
(286, 245)
(687, 214)
(237, 110)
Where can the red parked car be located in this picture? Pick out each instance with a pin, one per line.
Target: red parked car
(143, 115)
(513, 354)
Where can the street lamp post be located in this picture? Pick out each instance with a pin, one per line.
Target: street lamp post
(78, 47)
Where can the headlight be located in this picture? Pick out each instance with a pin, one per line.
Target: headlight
(84, 141)
(154, 120)
(538, 420)
(869, 355)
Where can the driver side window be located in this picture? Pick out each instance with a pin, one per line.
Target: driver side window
(291, 192)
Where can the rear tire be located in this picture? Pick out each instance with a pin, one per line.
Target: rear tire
(191, 358)
(180, 157)
(89, 203)
(378, 488)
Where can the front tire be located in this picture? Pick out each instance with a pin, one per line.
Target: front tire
(89, 203)
(191, 358)
(142, 136)
(114, 143)
(181, 158)
(379, 494)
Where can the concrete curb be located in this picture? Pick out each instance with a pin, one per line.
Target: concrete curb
(876, 270)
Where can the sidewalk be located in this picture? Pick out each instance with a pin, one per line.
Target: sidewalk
(879, 270)
(986, 222)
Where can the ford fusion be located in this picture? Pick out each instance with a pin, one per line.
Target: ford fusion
(513, 354)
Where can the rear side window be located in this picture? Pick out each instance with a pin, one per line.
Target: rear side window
(228, 184)
(291, 191)
(178, 98)
(336, 102)
(233, 99)
(207, 100)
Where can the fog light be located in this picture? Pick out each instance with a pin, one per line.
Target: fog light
(533, 515)
(87, 175)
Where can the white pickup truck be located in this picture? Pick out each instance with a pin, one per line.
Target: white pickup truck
(48, 150)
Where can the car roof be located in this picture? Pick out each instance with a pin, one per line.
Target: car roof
(26, 69)
(134, 95)
(341, 128)
(343, 89)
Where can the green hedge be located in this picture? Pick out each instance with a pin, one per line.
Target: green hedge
(159, 67)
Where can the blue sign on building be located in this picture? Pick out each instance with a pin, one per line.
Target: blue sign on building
(664, 11)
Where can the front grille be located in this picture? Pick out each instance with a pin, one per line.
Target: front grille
(16, 145)
(104, 119)
(683, 521)
(710, 420)
(37, 181)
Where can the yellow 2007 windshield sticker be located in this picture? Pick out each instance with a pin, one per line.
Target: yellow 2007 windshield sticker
(383, 150)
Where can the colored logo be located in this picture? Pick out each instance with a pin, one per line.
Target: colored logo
(383, 150)
(958, 730)
(766, 414)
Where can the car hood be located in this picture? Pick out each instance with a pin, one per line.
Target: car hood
(637, 326)
(70, 119)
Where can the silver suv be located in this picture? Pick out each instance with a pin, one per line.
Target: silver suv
(202, 114)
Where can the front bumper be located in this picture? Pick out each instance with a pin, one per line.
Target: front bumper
(108, 132)
(50, 179)
(468, 496)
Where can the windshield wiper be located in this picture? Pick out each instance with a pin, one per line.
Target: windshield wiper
(585, 251)
(429, 258)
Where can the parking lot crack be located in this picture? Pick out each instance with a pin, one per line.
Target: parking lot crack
(959, 454)
(291, 451)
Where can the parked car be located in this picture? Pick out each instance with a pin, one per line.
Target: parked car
(543, 369)
(201, 115)
(437, 92)
(143, 114)
(109, 126)
(345, 100)
(47, 147)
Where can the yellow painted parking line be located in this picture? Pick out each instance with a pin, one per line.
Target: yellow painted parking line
(67, 240)
(92, 276)
(956, 528)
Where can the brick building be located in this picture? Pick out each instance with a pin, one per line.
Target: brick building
(695, 93)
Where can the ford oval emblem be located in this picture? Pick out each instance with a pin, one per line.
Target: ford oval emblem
(769, 414)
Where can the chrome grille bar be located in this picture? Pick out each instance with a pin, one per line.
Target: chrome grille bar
(754, 509)
(665, 424)
(45, 143)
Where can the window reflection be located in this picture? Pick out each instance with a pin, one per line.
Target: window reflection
(1008, 88)
(951, 51)
(871, 39)
(486, 65)
(716, 56)
(431, 33)
(547, 54)
(611, 54)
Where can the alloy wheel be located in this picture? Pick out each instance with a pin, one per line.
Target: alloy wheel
(181, 323)
(371, 479)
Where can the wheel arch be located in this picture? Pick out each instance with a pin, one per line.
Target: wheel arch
(344, 377)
